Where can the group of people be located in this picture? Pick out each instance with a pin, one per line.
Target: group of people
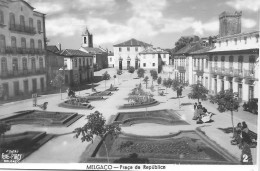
(244, 142)
(201, 114)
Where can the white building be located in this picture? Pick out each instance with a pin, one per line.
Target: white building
(22, 49)
(111, 60)
(126, 53)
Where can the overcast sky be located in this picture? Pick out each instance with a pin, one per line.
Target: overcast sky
(160, 22)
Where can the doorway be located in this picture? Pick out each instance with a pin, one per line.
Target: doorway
(120, 64)
(216, 86)
(240, 92)
(128, 64)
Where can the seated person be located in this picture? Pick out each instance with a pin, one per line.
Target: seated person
(237, 139)
(246, 137)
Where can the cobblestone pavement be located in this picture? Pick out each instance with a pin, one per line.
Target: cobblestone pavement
(66, 149)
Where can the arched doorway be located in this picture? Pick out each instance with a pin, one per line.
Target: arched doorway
(120, 63)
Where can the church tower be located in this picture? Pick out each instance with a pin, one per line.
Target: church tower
(87, 39)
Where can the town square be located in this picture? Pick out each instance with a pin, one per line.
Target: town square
(79, 97)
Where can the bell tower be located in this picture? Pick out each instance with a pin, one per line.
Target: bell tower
(87, 39)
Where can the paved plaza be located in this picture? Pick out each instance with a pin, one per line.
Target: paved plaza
(64, 148)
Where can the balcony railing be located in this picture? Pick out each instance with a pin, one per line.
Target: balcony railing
(21, 73)
(181, 68)
(214, 70)
(221, 71)
(238, 73)
(22, 29)
(250, 74)
(199, 71)
(229, 72)
(14, 50)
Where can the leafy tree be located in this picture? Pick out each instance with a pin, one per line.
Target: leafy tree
(226, 100)
(183, 41)
(146, 79)
(198, 91)
(96, 126)
(131, 69)
(154, 75)
(58, 82)
(118, 72)
(140, 73)
(176, 85)
(159, 81)
(167, 83)
(106, 77)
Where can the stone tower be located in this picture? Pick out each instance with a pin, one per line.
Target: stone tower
(87, 39)
(229, 23)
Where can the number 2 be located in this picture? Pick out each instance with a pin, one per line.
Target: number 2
(245, 158)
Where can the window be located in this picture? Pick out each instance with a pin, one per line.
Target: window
(120, 49)
(2, 42)
(153, 64)
(84, 61)
(39, 26)
(23, 43)
(251, 64)
(85, 40)
(40, 44)
(231, 60)
(3, 65)
(136, 49)
(79, 61)
(30, 23)
(240, 63)
(22, 22)
(1, 17)
(195, 62)
(13, 42)
(227, 42)
(32, 44)
(12, 20)
(33, 64)
(144, 64)
(128, 49)
(24, 64)
(75, 63)
(90, 62)
(110, 59)
(207, 63)
(216, 61)
(15, 64)
(235, 40)
(222, 61)
(245, 38)
(41, 62)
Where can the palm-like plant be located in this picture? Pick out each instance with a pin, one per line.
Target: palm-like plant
(58, 82)
(146, 79)
(140, 73)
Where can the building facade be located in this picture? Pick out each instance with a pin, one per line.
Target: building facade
(126, 54)
(22, 49)
(99, 54)
(78, 67)
(111, 60)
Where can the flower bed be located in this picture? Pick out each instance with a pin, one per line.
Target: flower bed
(43, 118)
(23, 144)
(112, 89)
(102, 93)
(186, 147)
(152, 102)
(78, 105)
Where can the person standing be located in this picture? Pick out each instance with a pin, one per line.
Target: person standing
(195, 116)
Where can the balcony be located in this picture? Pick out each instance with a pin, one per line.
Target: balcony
(238, 73)
(21, 73)
(14, 50)
(214, 70)
(250, 75)
(229, 72)
(199, 71)
(181, 69)
(221, 71)
(22, 29)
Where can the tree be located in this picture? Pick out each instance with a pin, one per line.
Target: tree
(146, 79)
(159, 81)
(58, 82)
(198, 91)
(96, 126)
(176, 85)
(167, 83)
(131, 70)
(118, 72)
(140, 73)
(154, 75)
(106, 77)
(226, 100)
(183, 41)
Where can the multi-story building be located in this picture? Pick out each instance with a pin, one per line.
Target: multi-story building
(153, 58)
(99, 54)
(22, 48)
(126, 53)
(111, 60)
(78, 67)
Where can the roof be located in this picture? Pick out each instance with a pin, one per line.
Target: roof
(74, 53)
(26, 3)
(239, 34)
(203, 50)
(52, 48)
(132, 42)
(153, 51)
(189, 48)
(86, 32)
(93, 50)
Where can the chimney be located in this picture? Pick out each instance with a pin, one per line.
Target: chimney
(59, 46)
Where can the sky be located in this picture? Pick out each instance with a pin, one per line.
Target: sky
(158, 22)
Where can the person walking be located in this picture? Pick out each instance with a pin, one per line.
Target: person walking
(195, 116)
